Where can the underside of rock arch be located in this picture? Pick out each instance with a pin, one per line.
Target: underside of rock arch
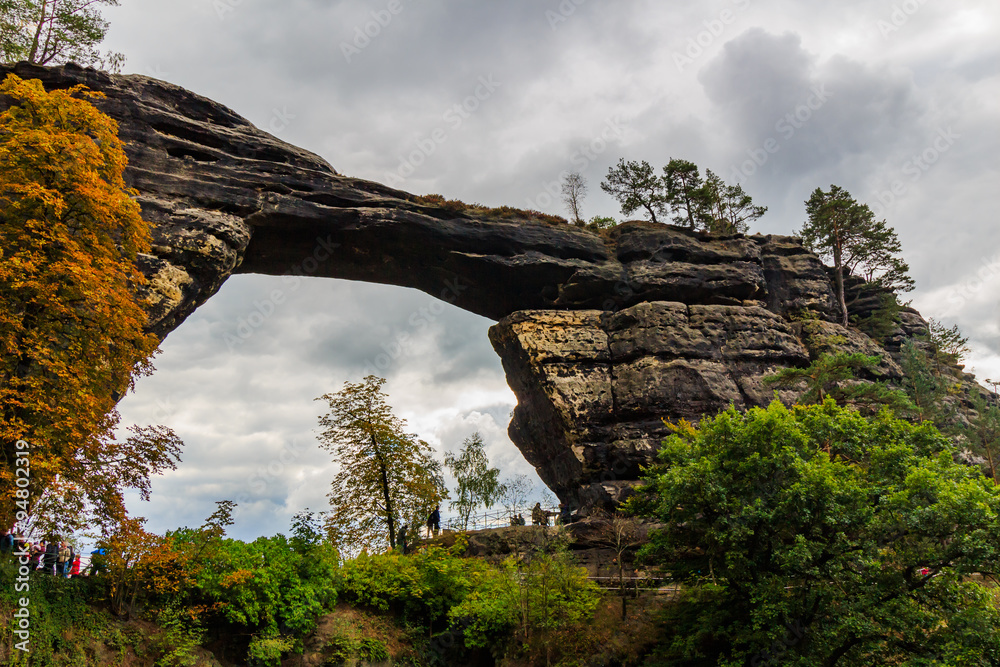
(601, 337)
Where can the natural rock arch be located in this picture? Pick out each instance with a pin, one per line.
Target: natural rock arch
(601, 337)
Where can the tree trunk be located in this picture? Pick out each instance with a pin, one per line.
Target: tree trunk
(389, 513)
(38, 33)
(621, 584)
(839, 280)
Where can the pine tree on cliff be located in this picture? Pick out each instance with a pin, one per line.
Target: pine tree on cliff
(841, 229)
(52, 32)
(636, 186)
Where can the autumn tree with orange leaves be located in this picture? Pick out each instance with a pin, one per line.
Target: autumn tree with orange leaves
(72, 336)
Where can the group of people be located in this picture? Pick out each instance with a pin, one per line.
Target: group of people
(55, 557)
(540, 517)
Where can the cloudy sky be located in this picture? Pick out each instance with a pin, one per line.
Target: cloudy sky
(896, 100)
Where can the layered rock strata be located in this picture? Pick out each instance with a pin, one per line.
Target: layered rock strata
(601, 336)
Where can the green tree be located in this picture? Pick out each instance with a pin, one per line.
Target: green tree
(72, 321)
(386, 478)
(952, 347)
(532, 598)
(478, 483)
(883, 321)
(52, 32)
(817, 536)
(635, 185)
(832, 375)
(983, 432)
(923, 383)
(841, 229)
(726, 209)
(685, 193)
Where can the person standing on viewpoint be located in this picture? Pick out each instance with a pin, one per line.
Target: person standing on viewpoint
(434, 521)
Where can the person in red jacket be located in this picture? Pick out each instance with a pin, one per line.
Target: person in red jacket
(75, 572)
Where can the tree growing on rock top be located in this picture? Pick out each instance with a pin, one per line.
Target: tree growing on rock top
(636, 186)
(53, 32)
(685, 194)
(951, 346)
(574, 189)
(726, 209)
(387, 477)
(846, 232)
(708, 204)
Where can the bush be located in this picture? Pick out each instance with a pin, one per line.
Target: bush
(823, 536)
(58, 611)
(457, 207)
(527, 600)
(421, 587)
(599, 222)
(265, 587)
(267, 651)
(373, 650)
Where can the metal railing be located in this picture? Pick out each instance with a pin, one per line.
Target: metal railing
(490, 519)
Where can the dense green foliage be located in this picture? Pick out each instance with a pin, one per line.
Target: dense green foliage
(528, 598)
(832, 375)
(817, 536)
(420, 588)
(261, 600)
(264, 587)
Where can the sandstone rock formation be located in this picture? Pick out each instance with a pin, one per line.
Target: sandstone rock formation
(601, 336)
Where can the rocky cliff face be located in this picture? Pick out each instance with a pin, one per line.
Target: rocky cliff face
(601, 337)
